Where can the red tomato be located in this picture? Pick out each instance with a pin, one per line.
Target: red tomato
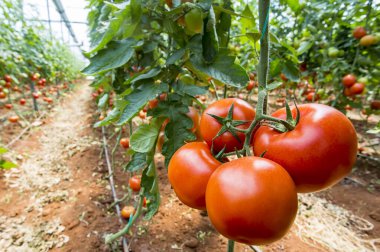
(144, 202)
(163, 96)
(310, 97)
(22, 101)
(359, 32)
(357, 88)
(1, 88)
(348, 107)
(347, 92)
(13, 119)
(142, 114)
(189, 171)
(135, 183)
(283, 77)
(2, 95)
(319, 152)
(375, 104)
(251, 85)
(153, 103)
(124, 142)
(35, 95)
(8, 106)
(8, 85)
(251, 200)
(368, 40)
(127, 211)
(210, 127)
(349, 80)
(7, 78)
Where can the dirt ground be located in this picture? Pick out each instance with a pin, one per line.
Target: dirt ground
(58, 198)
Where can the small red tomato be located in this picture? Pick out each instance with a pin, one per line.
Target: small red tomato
(8, 85)
(7, 78)
(135, 183)
(127, 211)
(359, 32)
(163, 96)
(35, 95)
(22, 101)
(283, 77)
(13, 119)
(251, 85)
(312, 95)
(124, 142)
(357, 88)
(2, 95)
(142, 114)
(9, 106)
(349, 80)
(375, 104)
(153, 103)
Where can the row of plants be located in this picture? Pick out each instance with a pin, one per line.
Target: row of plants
(32, 63)
(156, 62)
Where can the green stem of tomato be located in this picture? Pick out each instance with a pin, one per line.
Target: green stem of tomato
(231, 245)
(110, 238)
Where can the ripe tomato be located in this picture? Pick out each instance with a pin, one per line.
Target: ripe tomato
(35, 95)
(144, 202)
(357, 88)
(153, 103)
(8, 85)
(124, 142)
(283, 77)
(127, 211)
(251, 85)
(142, 114)
(375, 104)
(368, 40)
(163, 96)
(13, 119)
(101, 117)
(251, 200)
(49, 100)
(349, 80)
(319, 152)
(7, 78)
(135, 183)
(359, 32)
(347, 107)
(189, 171)
(22, 101)
(303, 67)
(2, 95)
(94, 95)
(8, 106)
(210, 127)
(194, 116)
(310, 96)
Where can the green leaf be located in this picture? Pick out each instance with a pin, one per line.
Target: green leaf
(150, 184)
(137, 162)
(274, 85)
(304, 46)
(7, 165)
(191, 90)
(103, 101)
(293, 4)
(175, 56)
(253, 36)
(291, 71)
(139, 97)
(3, 150)
(222, 69)
(144, 138)
(110, 31)
(115, 55)
(210, 42)
(150, 74)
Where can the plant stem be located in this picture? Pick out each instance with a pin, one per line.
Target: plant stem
(231, 245)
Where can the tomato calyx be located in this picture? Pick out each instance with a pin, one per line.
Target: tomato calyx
(283, 125)
(229, 124)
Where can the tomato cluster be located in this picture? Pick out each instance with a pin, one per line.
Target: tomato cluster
(253, 199)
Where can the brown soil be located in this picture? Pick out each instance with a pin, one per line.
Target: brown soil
(58, 197)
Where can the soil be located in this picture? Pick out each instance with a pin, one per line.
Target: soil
(59, 199)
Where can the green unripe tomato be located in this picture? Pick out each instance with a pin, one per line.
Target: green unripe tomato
(306, 33)
(2, 82)
(194, 21)
(333, 52)
(187, 79)
(341, 53)
(296, 44)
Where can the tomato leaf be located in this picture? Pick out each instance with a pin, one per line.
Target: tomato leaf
(175, 56)
(139, 97)
(274, 85)
(137, 162)
(151, 192)
(191, 90)
(150, 74)
(210, 40)
(7, 165)
(223, 69)
(143, 139)
(304, 46)
(103, 101)
(115, 55)
(291, 71)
